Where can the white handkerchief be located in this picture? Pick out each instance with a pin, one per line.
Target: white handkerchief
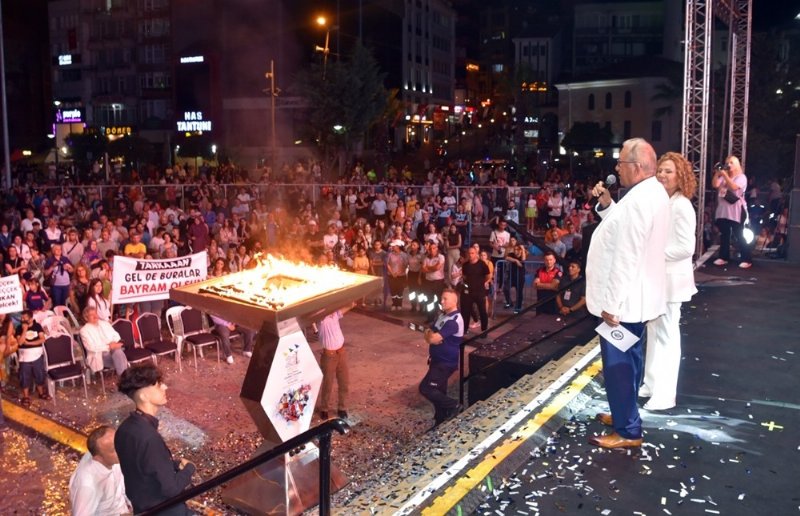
(618, 336)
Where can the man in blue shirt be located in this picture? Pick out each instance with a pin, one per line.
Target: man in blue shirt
(444, 343)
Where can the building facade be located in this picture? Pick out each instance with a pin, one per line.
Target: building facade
(632, 106)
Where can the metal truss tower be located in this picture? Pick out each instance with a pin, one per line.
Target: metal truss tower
(700, 17)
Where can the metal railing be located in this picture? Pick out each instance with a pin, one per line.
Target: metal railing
(323, 432)
(463, 378)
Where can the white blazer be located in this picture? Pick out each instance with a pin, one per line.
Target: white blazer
(625, 266)
(680, 248)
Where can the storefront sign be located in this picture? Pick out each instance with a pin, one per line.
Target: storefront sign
(117, 131)
(193, 121)
(149, 280)
(69, 115)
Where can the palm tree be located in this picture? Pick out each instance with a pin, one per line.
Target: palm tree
(668, 94)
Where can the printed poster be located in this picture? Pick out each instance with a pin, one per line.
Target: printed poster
(138, 280)
(10, 295)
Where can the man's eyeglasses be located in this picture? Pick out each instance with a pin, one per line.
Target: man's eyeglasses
(619, 161)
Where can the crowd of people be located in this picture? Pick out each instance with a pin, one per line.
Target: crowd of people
(62, 241)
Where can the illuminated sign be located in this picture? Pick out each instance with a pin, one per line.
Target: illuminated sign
(193, 121)
(69, 115)
(64, 59)
(192, 59)
(473, 67)
(530, 133)
(530, 120)
(117, 131)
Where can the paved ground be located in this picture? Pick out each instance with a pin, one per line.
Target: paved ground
(717, 447)
(206, 423)
(729, 447)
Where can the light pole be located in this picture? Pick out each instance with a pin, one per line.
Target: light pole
(52, 136)
(273, 93)
(322, 22)
(6, 148)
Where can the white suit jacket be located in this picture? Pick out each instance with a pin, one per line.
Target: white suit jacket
(625, 266)
(680, 248)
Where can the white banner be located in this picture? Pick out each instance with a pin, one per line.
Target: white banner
(149, 280)
(10, 295)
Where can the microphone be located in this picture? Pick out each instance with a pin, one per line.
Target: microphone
(611, 180)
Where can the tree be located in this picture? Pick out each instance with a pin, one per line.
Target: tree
(346, 104)
(585, 136)
(667, 95)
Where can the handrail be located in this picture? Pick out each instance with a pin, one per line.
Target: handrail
(462, 378)
(322, 431)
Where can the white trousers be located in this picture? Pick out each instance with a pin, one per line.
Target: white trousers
(663, 357)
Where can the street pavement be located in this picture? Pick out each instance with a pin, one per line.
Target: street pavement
(730, 446)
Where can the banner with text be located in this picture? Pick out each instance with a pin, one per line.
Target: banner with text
(10, 295)
(150, 280)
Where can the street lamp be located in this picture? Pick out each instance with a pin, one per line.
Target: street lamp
(273, 93)
(52, 136)
(322, 22)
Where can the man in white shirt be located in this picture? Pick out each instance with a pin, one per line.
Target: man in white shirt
(626, 282)
(499, 239)
(379, 207)
(102, 342)
(333, 363)
(27, 223)
(97, 487)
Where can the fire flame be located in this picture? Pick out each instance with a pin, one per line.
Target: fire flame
(276, 282)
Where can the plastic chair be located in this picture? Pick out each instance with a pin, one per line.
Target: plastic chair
(60, 363)
(133, 353)
(41, 315)
(148, 325)
(66, 312)
(175, 325)
(56, 325)
(196, 331)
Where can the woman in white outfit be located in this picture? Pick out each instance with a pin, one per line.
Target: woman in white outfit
(663, 358)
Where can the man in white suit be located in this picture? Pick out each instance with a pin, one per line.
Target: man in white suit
(625, 282)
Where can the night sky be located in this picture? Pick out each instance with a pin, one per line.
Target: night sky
(771, 13)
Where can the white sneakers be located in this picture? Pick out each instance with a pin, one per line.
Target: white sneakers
(229, 360)
(745, 265)
(720, 261)
(248, 354)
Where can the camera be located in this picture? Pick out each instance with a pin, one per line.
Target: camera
(721, 166)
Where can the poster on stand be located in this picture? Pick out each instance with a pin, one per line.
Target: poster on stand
(292, 386)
